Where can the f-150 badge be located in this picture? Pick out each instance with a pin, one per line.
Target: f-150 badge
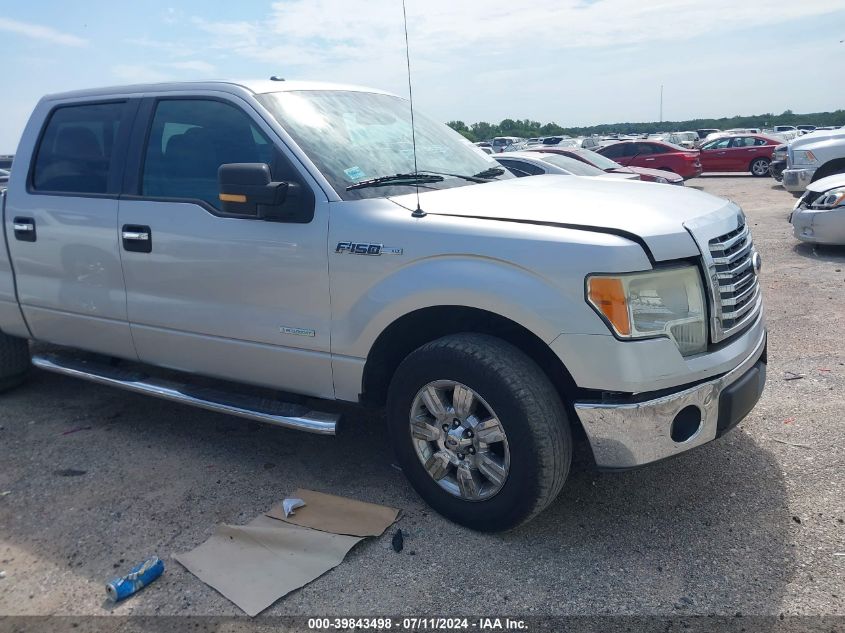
(366, 248)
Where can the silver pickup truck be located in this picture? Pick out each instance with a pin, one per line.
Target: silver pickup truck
(286, 235)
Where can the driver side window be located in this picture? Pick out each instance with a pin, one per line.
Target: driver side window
(190, 139)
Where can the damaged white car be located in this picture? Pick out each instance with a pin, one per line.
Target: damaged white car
(819, 215)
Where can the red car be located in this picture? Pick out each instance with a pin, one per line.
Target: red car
(655, 154)
(612, 167)
(740, 152)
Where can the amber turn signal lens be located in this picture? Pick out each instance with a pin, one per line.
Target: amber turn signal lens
(232, 197)
(608, 295)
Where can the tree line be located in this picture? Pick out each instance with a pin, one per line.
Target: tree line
(526, 128)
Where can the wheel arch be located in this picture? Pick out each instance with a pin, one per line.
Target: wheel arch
(423, 325)
(831, 167)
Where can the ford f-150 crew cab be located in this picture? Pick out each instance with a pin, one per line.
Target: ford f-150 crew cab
(269, 235)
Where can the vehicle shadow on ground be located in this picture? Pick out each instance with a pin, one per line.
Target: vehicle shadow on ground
(725, 175)
(159, 477)
(833, 254)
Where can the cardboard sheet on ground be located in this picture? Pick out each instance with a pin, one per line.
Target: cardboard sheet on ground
(338, 515)
(254, 565)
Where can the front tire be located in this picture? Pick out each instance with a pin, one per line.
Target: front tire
(760, 167)
(15, 361)
(479, 430)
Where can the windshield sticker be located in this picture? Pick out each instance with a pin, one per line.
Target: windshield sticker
(354, 173)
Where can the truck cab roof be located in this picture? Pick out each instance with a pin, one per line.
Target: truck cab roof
(254, 86)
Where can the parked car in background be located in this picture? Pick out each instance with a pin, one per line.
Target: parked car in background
(590, 142)
(704, 132)
(6, 161)
(819, 216)
(778, 162)
(687, 139)
(807, 128)
(501, 142)
(738, 153)
(4, 178)
(558, 141)
(813, 157)
(655, 154)
(612, 167)
(531, 163)
(784, 128)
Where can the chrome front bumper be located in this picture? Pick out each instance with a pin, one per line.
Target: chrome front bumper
(626, 435)
(796, 180)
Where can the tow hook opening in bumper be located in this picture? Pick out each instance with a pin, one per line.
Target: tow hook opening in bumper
(686, 424)
(629, 434)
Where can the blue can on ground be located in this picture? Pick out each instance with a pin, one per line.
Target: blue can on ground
(138, 577)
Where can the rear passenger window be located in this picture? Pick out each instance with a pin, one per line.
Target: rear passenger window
(75, 153)
(191, 138)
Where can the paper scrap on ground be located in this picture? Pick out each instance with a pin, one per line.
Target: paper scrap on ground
(254, 565)
(338, 515)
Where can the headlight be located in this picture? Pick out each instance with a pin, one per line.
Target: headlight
(830, 200)
(668, 302)
(804, 157)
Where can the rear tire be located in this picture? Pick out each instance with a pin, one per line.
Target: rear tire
(503, 385)
(15, 361)
(759, 167)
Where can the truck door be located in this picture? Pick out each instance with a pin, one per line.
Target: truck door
(230, 296)
(61, 225)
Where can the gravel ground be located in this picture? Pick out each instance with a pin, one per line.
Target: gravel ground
(748, 524)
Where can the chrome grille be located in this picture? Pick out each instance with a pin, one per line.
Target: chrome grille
(736, 289)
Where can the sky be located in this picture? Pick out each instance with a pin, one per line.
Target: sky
(574, 62)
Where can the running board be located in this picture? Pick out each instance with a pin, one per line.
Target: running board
(290, 416)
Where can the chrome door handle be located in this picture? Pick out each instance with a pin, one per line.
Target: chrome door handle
(24, 229)
(137, 238)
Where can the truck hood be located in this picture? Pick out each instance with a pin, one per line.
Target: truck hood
(829, 182)
(650, 214)
(812, 138)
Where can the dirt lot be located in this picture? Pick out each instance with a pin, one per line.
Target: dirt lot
(750, 524)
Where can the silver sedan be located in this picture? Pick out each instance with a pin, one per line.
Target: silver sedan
(819, 215)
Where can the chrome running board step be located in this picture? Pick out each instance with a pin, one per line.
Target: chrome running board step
(292, 416)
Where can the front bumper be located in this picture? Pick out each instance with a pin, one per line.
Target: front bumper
(797, 179)
(630, 434)
(818, 227)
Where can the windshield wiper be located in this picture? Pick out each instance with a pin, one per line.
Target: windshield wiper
(475, 178)
(396, 179)
(487, 174)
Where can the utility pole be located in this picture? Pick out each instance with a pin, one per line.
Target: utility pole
(661, 103)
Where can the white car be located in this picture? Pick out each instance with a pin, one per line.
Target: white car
(522, 164)
(819, 216)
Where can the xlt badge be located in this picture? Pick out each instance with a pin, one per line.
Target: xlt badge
(366, 248)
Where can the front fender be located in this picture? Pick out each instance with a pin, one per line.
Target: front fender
(515, 293)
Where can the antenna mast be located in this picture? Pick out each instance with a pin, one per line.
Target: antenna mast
(418, 213)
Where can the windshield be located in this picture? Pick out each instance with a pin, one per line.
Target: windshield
(356, 136)
(572, 165)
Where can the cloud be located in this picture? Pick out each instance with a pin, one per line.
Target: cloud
(138, 73)
(161, 71)
(326, 30)
(194, 65)
(40, 32)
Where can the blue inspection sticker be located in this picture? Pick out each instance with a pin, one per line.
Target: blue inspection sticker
(354, 173)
